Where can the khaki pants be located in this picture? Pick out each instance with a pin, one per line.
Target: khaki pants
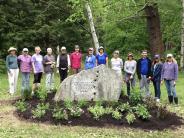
(13, 78)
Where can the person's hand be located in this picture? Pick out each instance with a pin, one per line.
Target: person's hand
(174, 83)
(162, 82)
(11, 74)
(57, 71)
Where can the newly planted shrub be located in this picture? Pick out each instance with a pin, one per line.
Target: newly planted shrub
(76, 111)
(97, 111)
(116, 115)
(60, 114)
(21, 106)
(82, 103)
(41, 94)
(108, 110)
(40, 110)
(68, 104)
(142, 112)
(150, 102)
(124, 107)
(130, 117)
(26, 94)
(162, 111)
(135, 98)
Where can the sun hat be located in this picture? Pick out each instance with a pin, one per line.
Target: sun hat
(25, 50)
(12, 49)
(130, 54)
(169, 55)
(76, 46)
(63, 48)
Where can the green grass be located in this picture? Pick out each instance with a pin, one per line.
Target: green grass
(10, 126)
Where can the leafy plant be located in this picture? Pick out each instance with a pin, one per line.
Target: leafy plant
(142, 112)
(26, 93)
(116, 115)
(108, 110)
(68, 104)
(162, 112)
(76, 111)
(60, 114)
(124, 107)
(97, 111)
(41, 94)
(130, 117)
(21, 105)
(135, 98)
(40, 110)
(150, 102)
(82, 103)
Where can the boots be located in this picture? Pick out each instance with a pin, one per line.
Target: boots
(176, 100)
(170, 99)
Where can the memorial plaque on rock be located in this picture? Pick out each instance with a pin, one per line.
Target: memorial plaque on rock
(99, 83)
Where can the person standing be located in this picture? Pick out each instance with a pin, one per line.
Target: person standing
(37, 64)
(117, 63)
(102, 57)
(90, 61)
(144, 72)
(76, 59)
(63, 64)
(130, 69)
(25, 68)
(156, 76)
(49, 65)
(13, 70)
(169, 75)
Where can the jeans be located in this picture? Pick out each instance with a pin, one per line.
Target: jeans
(25, 81)
(13, 77)
(49, 81)
(156, 84)
(144, 84)
(171, 90)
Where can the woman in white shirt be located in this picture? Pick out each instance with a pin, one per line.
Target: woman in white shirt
(130, 68)
(117, 63)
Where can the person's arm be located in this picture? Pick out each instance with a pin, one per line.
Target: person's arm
(135, 65)
(69, 62)
(126, 70)
(162, 73)
(107, 63)
(94, 61)
(7, 64)
(175, 72)
(57, 62)
(32, 61)
(138, 69)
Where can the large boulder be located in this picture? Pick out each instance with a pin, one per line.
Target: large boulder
(99, 83)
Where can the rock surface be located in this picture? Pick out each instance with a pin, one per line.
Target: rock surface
(99, 83)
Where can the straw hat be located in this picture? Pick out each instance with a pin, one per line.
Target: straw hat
(12, 49)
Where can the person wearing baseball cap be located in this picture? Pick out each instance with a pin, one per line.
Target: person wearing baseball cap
(130, 68)
(25, 67)
(169, 75)
(156, 76)
(101, 57)
(90, 61)
(63, 64)
(76, 60)
(13, 70)
(144, 72)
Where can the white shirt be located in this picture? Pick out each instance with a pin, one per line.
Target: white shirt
(117, 64)
(130, 67)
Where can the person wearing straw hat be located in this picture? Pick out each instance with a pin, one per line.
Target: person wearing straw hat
(169, 75)
(63, 64)
(90, 61)
(156, 76)
(25, 68)
(37, 64)
(101, 57)
(130, 68)
(13, 70)
(49, 66)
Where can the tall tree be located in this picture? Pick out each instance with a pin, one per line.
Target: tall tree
(182, 39)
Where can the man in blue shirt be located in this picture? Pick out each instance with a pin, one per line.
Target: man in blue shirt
(144, 72)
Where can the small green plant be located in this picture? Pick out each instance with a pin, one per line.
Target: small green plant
(108, 110)
(130, 117)
(135, 98)
(40, 110)
(82, 103)
(116, 115)
(124, 107)
(76, 111)
(68, 104)
(142, 112)
(97, 111)
(26, 93)
(41, 94)
(60, 114)
(21, 106)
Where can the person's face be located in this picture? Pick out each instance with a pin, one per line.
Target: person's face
(157, 59)
(144, 54)
(116, 55)
(49, 51)
(90, 52)
(130, 57)
(25, 53)
(37, 50)
(169, 59)
(63, 51)
(76, 49)
(101, 51)
(13, 52)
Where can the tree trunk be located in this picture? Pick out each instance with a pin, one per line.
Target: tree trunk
(153, 25)
(92, 27)
(182, 39)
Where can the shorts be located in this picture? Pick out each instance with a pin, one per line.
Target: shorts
(37, 77)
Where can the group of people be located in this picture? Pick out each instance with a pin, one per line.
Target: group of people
(147, 70)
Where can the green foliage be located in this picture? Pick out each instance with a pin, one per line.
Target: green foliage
(124, 107)
(130, 117)
(150, 102)
(142, 112)
(97, 111)
(135, 98)
(41, 93)
(40, 110)
(26, 93)
(76, 111)
(108, 110)
(60, 114)
(116, 115)
(68, 104)
(82, 103)
(162, 112)
(21, 105)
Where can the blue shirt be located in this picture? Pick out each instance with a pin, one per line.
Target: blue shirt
(101, 59)
(11, 62)
(144, 66)
(90, 62)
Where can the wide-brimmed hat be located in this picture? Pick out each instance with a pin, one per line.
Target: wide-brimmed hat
(12, 49)
(130, 55)
(169, 55)
(25, 50)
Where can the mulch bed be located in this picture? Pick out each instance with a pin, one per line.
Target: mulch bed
(172, 121)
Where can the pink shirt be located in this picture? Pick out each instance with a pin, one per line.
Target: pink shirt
(76, 60)
(25, 63)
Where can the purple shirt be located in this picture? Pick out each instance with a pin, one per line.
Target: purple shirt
(25, 63)
(170, 71)
(37, 60)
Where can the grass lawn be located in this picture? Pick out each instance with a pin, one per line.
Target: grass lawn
(10, 126)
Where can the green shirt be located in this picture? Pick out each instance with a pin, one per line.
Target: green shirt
(11, 62)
